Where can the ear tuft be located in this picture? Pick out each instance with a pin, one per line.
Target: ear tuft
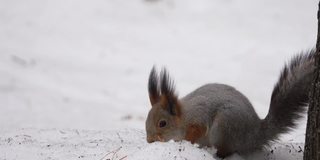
(167, 85)
(153, 86)
(170, 101)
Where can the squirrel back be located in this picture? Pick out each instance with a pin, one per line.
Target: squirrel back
(218, 115)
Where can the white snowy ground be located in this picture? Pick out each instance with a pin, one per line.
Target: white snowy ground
(126, 144)
(73, 73)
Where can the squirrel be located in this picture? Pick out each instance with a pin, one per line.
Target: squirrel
(218, 115)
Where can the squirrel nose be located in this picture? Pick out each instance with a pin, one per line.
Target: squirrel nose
(150, 140)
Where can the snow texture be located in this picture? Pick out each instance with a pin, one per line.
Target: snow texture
(81, 67)
(115, 145)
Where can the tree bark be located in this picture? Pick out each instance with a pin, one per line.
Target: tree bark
(312, 143)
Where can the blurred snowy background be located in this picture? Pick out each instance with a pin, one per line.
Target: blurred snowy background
(78, 64)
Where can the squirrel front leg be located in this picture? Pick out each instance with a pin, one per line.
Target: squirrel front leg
(196, 132)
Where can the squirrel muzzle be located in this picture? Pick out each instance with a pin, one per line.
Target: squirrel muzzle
(150, 139)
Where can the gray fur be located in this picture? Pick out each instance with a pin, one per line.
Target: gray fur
(237, 123)
(290, 95)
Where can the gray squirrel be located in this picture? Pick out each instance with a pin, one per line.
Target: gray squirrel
(218, 115)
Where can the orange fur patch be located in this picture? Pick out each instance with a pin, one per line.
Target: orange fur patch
(194, 132)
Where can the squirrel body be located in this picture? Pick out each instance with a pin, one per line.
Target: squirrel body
(225, 115)
(218, 115)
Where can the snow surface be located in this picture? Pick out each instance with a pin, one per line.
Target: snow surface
(128, 144)
(83, 65)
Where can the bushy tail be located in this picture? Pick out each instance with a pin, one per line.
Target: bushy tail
(290, 96)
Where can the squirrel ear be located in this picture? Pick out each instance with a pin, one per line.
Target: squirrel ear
(153, 87)
(169, 99)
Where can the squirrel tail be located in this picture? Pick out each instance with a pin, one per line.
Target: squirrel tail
(290, 96)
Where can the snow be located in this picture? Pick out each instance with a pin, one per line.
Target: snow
(69, 65)
(73, 144)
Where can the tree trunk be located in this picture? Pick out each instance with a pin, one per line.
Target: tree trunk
(312, 143)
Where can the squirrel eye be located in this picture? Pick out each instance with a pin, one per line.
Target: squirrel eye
(162, 123)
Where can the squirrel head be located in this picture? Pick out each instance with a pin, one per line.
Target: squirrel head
(164, 119)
